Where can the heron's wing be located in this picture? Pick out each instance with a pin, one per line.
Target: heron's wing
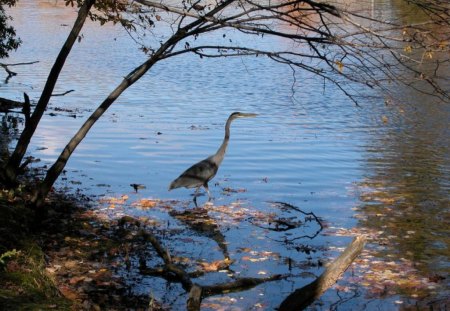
(197, 175)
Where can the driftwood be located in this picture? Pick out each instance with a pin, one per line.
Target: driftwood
(196, 291)
(63, 93)
(238, 285)
(7, 104)
(303, 297)
(12, 73)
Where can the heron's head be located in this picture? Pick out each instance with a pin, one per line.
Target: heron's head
(236, 115)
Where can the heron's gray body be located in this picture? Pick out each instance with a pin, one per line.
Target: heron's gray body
(197, 175)
(201, 173)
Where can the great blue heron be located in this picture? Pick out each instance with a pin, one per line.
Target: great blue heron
(201, 173)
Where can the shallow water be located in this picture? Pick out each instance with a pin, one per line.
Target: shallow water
(313, 149)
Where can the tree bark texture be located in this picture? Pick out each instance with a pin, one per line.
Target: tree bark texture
(303, 297)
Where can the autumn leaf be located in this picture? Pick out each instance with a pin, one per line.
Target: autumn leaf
(215, 265)
(443, 45)
(76, 280)
(340, 66)
(146, 203)
(209, 267)
(68, 293)
(113, 200)
(408, 49)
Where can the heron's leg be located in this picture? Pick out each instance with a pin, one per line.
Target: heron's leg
(195, 195)
(195, 202)
(196, 191)
(205, 185)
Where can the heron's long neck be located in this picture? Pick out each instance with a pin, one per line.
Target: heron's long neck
(220, 154)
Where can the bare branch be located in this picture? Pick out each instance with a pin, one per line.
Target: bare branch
(64, 93)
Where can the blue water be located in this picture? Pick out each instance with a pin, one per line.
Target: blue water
(309, 147)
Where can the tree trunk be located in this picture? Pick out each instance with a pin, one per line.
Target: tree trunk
(303, 297)
(56, 169)
(12, 168)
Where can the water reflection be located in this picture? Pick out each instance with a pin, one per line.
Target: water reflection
(406, 193)
(199, 221)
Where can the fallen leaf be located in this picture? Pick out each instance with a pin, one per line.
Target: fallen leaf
(76, 280)
(68, 293)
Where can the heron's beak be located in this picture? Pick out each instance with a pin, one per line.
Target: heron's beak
(248, 115)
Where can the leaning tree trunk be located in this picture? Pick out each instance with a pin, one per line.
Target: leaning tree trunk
(301, 298)
(12, 168)
(56, 169)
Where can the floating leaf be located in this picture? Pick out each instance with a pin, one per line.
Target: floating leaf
(146, 203)
(340, 65)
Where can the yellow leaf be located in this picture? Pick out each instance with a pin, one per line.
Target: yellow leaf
(408, 49)
(443, 45)
(384, 119)
(213, 266)
(146, 203)
(340, 65)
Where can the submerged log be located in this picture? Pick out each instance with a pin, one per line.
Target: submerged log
(7, 105)
(195, 298)
(196, 292)
(303, 297)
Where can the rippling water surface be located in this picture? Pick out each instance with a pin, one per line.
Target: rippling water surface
(312, 148)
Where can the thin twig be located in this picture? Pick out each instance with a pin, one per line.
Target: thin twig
(64, 93)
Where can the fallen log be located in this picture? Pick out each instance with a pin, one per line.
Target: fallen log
(6, 105)
(303, 297)
(237, 285)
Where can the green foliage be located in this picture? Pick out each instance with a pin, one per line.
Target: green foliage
(8, 40)
(6, 256)
(25, 285)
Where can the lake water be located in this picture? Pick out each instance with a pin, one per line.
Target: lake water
(382, 169)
